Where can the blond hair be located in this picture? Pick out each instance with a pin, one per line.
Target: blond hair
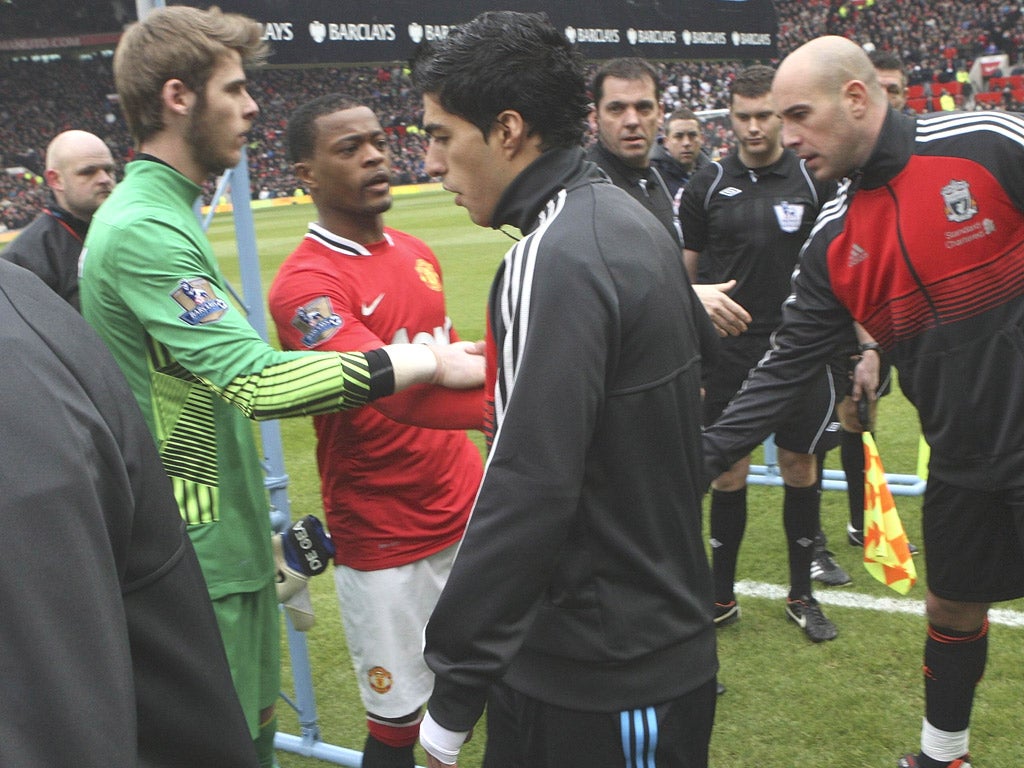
(177, 42)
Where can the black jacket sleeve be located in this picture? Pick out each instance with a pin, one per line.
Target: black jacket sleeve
(112, 655)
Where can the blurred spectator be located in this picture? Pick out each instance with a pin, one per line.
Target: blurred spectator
(891, 77)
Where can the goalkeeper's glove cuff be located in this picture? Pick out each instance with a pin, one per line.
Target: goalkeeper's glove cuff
(307, 547)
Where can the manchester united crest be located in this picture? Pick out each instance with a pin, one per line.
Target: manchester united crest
(428, 274)
(380, 679)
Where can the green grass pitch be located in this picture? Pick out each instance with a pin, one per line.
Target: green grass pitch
(856, 702)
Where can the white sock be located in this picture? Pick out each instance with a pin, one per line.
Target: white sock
(943, 745)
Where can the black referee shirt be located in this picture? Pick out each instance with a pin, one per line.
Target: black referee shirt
(749, 225)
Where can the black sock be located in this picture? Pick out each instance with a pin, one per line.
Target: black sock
(852, 452)
(801, 518)
(953, 664)
(377, 754)
(728, 524)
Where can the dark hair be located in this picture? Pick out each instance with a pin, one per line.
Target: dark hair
(753, 82)
(885, 60)
(508, 60)
(683, 113)
(301, 125)
(624, 69)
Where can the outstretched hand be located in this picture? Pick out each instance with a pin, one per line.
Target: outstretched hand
(459, 365)
(728, 317)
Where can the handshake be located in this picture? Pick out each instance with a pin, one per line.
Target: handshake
(303, 550)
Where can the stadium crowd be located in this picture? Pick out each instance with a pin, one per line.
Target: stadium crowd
(935, 39)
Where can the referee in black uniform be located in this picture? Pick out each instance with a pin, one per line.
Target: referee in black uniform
(744, 218)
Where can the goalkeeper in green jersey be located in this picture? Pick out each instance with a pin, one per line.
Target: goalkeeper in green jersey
(151, 287)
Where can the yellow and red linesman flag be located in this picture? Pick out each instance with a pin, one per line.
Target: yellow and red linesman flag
(886, 551)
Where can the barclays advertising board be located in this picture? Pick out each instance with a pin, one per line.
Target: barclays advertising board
(343, 31)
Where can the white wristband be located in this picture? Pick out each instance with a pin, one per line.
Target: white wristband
(443, 744)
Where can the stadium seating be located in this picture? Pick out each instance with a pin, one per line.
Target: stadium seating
(989, 98)
(919, 104)
(1016, 82)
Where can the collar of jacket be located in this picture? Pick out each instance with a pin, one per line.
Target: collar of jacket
(609, 159)
(784, 166)
(658, 152)
(664, 161)
(78, 227)
(530, 191)
(892, 150)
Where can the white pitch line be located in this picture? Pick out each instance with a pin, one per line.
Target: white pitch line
(846, 599)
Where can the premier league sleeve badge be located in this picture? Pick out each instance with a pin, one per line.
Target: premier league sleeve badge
(201, 304)
(316, 321)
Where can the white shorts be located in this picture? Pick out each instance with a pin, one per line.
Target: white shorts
(384, 613)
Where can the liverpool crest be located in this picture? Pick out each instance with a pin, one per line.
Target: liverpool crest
(959, 203)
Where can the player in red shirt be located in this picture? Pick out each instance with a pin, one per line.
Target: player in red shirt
(398, 478)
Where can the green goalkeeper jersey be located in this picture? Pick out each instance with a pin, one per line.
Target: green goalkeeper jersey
(152, 289)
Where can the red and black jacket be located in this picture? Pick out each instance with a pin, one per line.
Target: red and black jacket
(925, 248)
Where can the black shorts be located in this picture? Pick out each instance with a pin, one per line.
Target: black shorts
(973, 542)
(810, 425)
(524, 732)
